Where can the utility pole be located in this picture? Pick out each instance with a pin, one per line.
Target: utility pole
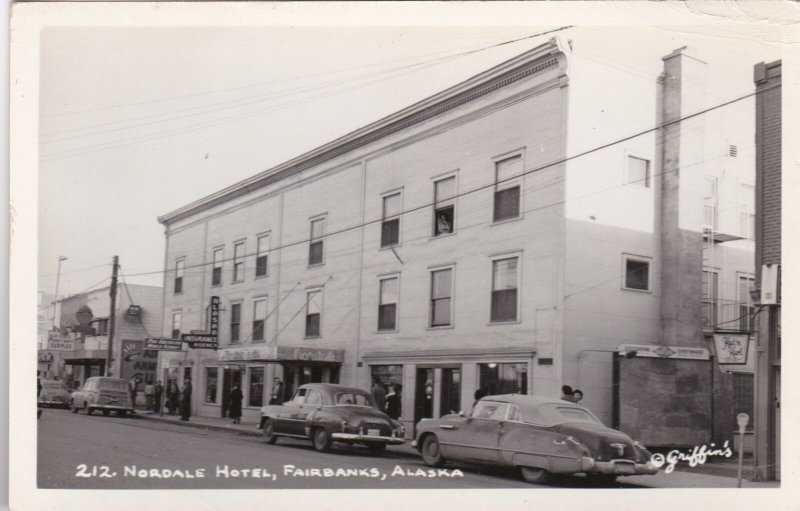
(112, 315)
(55, 299)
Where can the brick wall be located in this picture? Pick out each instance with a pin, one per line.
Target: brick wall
(768, 162)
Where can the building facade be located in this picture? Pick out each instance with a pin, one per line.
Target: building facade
(453, 248)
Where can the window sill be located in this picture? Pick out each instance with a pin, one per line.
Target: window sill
(312, 337)
(315, 265)
(390, 247)
(507, 220)
(442, 327)
(237, 281)
(216, 285)
(498, 323)
(449, 234)
(381, 332)
(646, 291)
(212, 404)
(177, 294)
(262, 276)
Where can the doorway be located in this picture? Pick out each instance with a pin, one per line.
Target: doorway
(231, 376)
(451, 391)
(423, 401)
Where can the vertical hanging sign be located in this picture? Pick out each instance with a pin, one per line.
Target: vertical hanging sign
(214, 316)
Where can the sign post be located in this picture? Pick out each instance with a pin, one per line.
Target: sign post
(742, 419)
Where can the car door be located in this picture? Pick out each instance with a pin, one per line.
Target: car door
(312, 403)
(287, 419)
(477, 437)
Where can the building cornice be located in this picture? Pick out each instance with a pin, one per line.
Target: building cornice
(522, 66)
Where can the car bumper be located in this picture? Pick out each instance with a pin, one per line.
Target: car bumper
(617, 467)
(53, 403)
(371, 439)
(113, 408)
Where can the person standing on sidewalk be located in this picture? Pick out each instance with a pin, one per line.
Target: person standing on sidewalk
(148, 396)
(133, 390)
(158, 392)
(277, 393)
(236, 404)
(186, 400)
(173, 396)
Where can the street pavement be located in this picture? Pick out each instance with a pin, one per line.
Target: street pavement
(147, 451)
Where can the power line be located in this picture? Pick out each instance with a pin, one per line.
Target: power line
(495, 183)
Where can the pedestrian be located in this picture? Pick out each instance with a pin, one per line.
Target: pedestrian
(158, 392)
(173, 396)
(38, 391)
(479, 394)
(148, 396)
(379, 394)
(186, 400)
(393, 401)
(578, 395)
(235, 400)
(133, 390)
(567, 394)
(277, 392)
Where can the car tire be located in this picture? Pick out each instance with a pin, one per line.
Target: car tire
(268, 432)
(73, 408)
(88, 409)
(432, 451)
(535, 475)
(376, 449)
(321, 439)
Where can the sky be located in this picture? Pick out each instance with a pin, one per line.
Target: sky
(135, 122)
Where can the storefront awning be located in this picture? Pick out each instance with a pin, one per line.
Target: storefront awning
(279, 354)
(496, 354)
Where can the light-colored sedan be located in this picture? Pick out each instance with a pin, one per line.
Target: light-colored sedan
(540, 436)
(104, 394)
(53, 393)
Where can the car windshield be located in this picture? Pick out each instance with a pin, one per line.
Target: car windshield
(113, 385)
(353, 398)
(575, 414)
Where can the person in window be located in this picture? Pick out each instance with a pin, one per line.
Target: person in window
(442, 224)
(393, 401)
(277, 393)
(236, 404)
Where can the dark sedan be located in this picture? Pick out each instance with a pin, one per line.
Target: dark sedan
(540, 436)
(325, 413)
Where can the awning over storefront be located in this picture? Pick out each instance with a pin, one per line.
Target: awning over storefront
(496, 354)
(81, 355)
(279, 354)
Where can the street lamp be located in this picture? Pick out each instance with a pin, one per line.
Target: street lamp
(55, 299)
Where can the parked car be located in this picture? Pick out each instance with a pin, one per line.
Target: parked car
(53, 393)
(104, 394)
(325, 413)
(540, 436)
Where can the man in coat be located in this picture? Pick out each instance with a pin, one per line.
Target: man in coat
(186, 400)
(379, 394)
(158, 393)
(277, 393)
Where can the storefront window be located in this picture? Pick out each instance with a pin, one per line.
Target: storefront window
(498, 378)
(390, 377)
(211, 385)
(256, 387)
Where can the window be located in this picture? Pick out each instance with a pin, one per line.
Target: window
(179, 266)
(733, 151)
(256, 394)
(710, 287)
(441, 295)
(746, 309)
(315, 248)
(238, 262)
(743, 395)
(504, 289)
(299, 396)
(710, 203)
(490, 410)
(176, 324)
(509, 378)
(313, 312)
(507, 189)
(637, 273)
(747, 217)
(262, 251)
(387, 304)
(638, 172)
(390, 228)
(236, 319)
(444, 192)
(216, 272)
(101, 326)
(259, 318)
(211, 384)
(313, 398)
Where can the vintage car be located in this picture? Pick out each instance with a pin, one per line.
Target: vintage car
(540, 436)
(53, 393)
(104, 394)
(326, 413)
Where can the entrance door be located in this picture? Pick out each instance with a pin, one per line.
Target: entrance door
(231, 377)
(423, 402)
(451, 391)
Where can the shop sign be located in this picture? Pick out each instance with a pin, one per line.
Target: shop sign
(208, 344)
(310, 355)
(656, 351)
(138, 361)
(214, 316)
(163, 344)
(731, 348)
(240, 354)
(60, 344)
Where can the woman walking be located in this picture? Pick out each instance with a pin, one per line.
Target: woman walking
(236, 404)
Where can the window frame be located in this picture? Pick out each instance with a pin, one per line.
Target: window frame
(259, 254)
(648, 180)
(518, 311)
(217, 265)
(256, 301)
(306, 334)
(431, 302)
(238, 340)
(381, 280)
(179, 314)
(510, 183)
(713, 299)
(747, 303)
(180, 268)
(640, 259)
(250, 370)
(216, 384)
(713, 203)
(320, 239)
(393, 218)
(239, 266)
(446, 203)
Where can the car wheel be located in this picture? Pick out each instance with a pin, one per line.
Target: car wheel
(105, 413)
(268, 432)
(535, 475)
(376, 449)
(432, 452)
(88, 409)
(322, 441)
(73, 407)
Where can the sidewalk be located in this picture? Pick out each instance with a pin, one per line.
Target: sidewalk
(718, 474)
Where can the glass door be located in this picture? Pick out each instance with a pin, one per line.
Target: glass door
(231, 376)
(451, 391)
(423, 402)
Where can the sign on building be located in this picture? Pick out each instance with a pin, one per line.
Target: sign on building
(136, 360)
(658, 351)
(163, 344)
(731, 348)
(60, 344)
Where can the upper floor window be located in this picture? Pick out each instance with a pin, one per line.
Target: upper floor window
(179, 266)
(313, 312)
(638, 172)
(709, 298)
(387, 304)
(176, 324)
(507, 188)
(101, 326)
(444, 208)
(710, 203)
(236, 320)
(505, 282)
(636, 273)
(315, 247)
(262, 255)
(216, 271)
(746, 309)
(390, 227)
(238, 262)
(747, 216)
(441, 297)
(259, 318)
